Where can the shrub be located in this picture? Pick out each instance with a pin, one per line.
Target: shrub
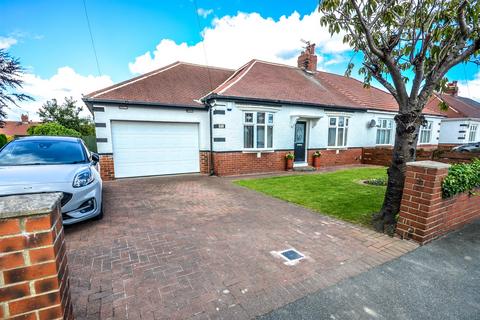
(52, 129)
(289, 156)
(3, 140)
(461, 177)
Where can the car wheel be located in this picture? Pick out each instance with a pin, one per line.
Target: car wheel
(100, 215)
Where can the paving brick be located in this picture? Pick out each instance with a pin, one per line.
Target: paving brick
(183, 247)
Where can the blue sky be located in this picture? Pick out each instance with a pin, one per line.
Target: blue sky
(52, 40)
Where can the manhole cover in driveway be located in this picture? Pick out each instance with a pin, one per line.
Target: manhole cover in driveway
(291, 256)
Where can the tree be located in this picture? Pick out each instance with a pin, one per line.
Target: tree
(52, 129)
(66, 114)
(408, 46)
(10, 80)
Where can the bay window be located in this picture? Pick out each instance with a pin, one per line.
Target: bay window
(426, 132)
(384, 131)
(257, 130)
(337, 131)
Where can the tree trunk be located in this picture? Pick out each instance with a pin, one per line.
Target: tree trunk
(404, 151)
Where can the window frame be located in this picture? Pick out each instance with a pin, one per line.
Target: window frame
(472, 133)
(381, 128)
(255, 124)
(428, 129)
(345, 127)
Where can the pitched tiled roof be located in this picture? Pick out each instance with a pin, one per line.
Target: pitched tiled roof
(185, 84)
(178, 84)
(16, 128)
(465, 107)
(264, 80)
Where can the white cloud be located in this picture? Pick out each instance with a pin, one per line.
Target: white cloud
(471, 89)
(204, 12)
(232, 41)
(7, 42)
(65, 83)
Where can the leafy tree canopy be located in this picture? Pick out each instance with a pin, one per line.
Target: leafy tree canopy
(52, 129)
(67, 114)
(10, 80)
(414, 42)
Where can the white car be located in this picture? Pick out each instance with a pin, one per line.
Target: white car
(39, 164)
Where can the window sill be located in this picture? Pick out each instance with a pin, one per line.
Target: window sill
(337, 148)
(258, 150)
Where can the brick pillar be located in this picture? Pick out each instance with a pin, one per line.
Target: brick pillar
(107, 170)
(422, 211)
(33, 261)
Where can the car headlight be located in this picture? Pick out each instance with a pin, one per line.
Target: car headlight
(83, 178)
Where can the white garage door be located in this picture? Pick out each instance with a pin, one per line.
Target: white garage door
(154, 148)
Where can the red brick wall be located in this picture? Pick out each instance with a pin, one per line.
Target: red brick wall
(424, 214)
(205, 162)
(337, 157)
(33, 266)
(107, 170)
(382, 156)
(236, 163)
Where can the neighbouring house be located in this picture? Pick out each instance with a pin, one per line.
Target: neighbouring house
(17, 128)
(463, 122)
(187, 118)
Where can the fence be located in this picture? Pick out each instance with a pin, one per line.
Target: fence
(90, 142)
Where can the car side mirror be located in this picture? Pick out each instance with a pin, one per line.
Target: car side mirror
(95, 158)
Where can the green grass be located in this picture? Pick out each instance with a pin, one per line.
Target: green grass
(338, 194)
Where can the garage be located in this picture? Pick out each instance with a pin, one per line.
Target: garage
(154, 148)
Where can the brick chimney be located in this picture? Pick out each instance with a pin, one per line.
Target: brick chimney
(307, 59)
(451, 88)
(24, 118)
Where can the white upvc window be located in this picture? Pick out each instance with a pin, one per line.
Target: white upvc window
(384, 131)
(257, 130)
(426, 132)
(337, 131)
(472, 134)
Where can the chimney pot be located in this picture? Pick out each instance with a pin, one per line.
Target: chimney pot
(308, 59)
(24, 118)
(451, 88)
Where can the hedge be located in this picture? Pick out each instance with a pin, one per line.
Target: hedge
(462, 177)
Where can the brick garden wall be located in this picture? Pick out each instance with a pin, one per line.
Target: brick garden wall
(337, 157)
(383, 156)
(424, 215)
(107, 170)
(236, 163)
(33, 262)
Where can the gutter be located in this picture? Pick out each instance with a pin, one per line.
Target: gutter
(90, 101)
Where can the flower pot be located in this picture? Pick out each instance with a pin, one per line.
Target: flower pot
(289, 164)
(316, 162)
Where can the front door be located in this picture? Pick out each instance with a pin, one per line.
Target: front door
(299, 143)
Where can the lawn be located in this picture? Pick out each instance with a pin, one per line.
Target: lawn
(338, 194)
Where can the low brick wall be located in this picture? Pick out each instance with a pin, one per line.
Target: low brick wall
(337, 157)
(236, 163)
(33, 261)
(382, 156)
(424, 215)
(107, 170)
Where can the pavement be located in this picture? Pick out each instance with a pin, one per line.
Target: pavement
(440, 280)
(198, 247)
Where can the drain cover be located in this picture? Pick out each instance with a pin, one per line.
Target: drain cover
(291, 254)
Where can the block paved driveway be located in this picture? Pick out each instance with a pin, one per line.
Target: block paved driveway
(197, 247)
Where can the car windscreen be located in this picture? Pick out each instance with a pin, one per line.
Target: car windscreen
(37, 152)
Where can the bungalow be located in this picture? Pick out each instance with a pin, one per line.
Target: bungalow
(186, 118)
(463, 118)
